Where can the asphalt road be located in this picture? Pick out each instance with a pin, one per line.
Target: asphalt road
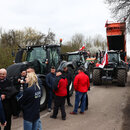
(109, 109)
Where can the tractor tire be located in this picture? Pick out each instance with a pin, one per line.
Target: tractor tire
(121, 77)
(44, 99)
(97, 77)
(90, 72)
(71, 87)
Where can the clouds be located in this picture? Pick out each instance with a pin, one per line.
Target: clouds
(64, 17)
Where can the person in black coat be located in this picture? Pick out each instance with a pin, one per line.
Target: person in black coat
(30, 103)
(68, 75)
(8, 101)
(50, 80)
(2, 116)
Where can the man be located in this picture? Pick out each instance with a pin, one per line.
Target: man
(60, 90)
(81, 85)
(7, 101)
(2, 116)
(69, 78)
(50, 80)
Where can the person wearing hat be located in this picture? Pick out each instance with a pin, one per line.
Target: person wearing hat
(50, 79)
(60, 91)
(68, 75)
(81, 85)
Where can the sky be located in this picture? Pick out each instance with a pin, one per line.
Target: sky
(63, 17)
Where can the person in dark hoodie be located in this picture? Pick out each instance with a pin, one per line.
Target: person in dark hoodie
(30, 103)
(50, 79)
(9, 102)
(2, 116)
(60, 90)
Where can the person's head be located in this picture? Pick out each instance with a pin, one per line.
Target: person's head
(80, 69)
(3, 73)
(65, 69)
(23, 73)
(53, 70)
(30, 69)
(32, 79)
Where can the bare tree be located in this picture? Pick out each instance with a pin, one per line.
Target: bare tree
(120, 10)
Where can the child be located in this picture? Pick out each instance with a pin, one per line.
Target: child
(60, 90)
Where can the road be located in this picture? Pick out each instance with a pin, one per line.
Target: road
(109, 109)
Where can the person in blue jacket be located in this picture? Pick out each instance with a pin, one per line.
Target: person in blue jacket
(50, 79)
(30, 103)
(2, 116)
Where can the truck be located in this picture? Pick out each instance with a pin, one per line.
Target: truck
(117, 68)
(41, 58)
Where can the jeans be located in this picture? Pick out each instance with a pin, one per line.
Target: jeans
(50, 98)
(79, 96)
(33, 125)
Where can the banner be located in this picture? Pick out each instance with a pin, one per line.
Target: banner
(104, 61)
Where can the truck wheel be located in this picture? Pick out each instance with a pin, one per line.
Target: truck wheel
(97, 77)
(121, 77)
(44, 98)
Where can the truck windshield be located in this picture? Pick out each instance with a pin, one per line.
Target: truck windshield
(113, 57)
(36, 53)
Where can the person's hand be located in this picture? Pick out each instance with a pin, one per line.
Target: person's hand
(58, 73)
(2, 96)
(4, 124)
(22, 82)
(19, 80)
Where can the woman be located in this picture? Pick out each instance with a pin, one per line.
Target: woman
(30, 103)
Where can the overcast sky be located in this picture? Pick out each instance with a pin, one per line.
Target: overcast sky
(63, 17)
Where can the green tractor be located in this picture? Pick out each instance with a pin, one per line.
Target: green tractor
(41, 58)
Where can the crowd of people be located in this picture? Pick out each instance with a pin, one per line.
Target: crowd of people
(26, 94)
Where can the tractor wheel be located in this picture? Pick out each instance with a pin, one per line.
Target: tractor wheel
(90, 72)
(44, 98)
(97, 77)
(71, 87)
(121, 77)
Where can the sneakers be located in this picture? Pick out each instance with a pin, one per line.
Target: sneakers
(73, 113)
(52, 116)
(49, 109)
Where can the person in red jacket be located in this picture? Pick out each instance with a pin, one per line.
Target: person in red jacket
(81, 85)
(60, 90)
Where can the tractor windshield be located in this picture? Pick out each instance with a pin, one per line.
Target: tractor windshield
(54, 56)
(76, 57)
(36, 53)
(113, 57)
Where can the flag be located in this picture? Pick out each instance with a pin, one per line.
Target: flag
(104, 61)
(83, 47)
